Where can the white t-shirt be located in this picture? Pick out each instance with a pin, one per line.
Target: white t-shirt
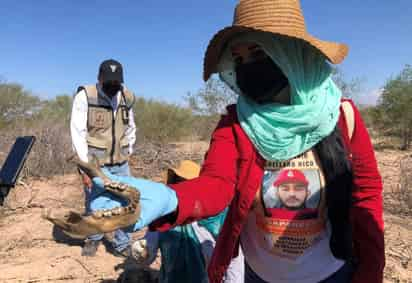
(286, 236)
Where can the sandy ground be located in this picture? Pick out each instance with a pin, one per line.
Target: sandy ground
(31, 250)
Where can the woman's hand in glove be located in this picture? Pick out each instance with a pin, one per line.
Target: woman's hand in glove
(156, 199)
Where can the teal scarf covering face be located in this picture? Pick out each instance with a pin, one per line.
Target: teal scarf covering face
(281, 132)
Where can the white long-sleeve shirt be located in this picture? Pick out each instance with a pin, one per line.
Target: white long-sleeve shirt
(78, 123)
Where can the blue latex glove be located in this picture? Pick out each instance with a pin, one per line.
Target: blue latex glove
(156, 199)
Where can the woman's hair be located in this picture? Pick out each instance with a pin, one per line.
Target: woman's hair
(333, 157)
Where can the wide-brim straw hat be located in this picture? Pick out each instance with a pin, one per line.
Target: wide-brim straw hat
(280, 17)
(187, 170)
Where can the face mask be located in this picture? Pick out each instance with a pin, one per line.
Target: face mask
(111, 89)
(260, 80)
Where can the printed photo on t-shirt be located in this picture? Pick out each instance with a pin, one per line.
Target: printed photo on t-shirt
(291, 189)
(292, 200)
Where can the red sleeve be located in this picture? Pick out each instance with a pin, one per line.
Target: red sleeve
(367, 210)
(213, 190)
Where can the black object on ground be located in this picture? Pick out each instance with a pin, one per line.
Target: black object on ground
(13, 164)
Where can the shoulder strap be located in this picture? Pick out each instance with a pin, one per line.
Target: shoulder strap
(129, 97)
(349, 117)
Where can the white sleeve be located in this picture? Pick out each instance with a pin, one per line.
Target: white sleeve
(78, 125)
(131, 131)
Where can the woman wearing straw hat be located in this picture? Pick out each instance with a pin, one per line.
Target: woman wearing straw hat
(289, 114)
(186, 250)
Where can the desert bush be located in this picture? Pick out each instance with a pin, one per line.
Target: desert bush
(405, 188)
(392, 115)
(212, 99)
(50, 151)
(208, 104)
(16, 103)
(21, 114)
(56, 109)
(162, 122)
(369, 115)
(204, 125)
(350, 88)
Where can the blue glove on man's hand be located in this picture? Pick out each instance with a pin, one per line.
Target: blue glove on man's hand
(156, 199)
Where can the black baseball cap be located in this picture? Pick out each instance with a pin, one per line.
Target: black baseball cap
(111, 70)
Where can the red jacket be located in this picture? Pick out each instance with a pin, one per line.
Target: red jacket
(232, 173)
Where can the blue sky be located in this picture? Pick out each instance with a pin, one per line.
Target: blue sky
(52, 46)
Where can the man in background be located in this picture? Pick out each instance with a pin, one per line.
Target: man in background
(102, 125)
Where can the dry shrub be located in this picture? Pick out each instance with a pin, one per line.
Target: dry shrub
(53, 147)
(151, 160)
(151, 157)
(203, 126)
(49, 153)
(405, 188)
(162, 122)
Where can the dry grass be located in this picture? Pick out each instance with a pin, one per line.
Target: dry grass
(405, 186)
(49, 153)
